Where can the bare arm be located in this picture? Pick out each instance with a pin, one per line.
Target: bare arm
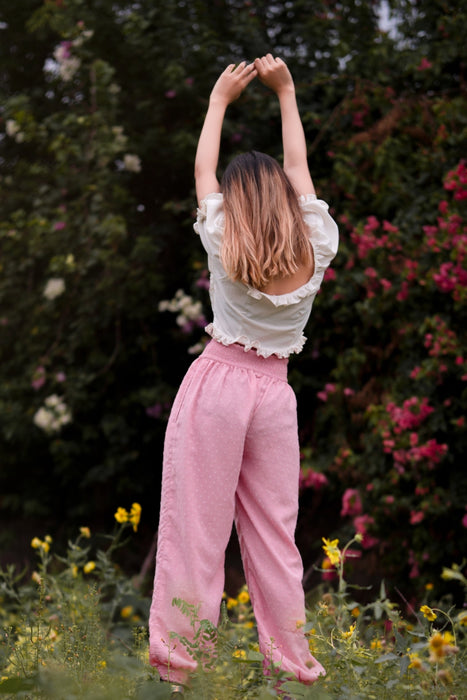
(274, 73)
(228, 88)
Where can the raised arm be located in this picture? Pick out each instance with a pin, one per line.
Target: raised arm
(228, 88)
(274, 73)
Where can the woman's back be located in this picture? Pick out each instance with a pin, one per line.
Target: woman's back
(286, 285)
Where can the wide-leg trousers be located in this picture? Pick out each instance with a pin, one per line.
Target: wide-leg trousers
(231, 453)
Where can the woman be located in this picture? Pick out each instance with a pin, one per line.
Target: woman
(231, 450)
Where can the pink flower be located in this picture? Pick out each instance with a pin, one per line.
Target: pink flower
(386, 284)
(371, 272)
(403, 293)
(443, 207)
(351, 503)
(387, 226)
(464, 520)
(425, 64)
(60, 377)
(416, 517)
(38, 379)
(59, 225)
(361, 523)
(328, 389)
(170, 94)
(154, 411)
(313, 479)
(330, 275)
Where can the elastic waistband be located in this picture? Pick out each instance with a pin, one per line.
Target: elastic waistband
(272, 366)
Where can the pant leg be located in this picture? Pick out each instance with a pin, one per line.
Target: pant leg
(202, 460)
(266, 516)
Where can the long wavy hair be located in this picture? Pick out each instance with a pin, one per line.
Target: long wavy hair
(265, 236)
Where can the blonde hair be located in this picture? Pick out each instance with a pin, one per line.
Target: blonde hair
(265, 235)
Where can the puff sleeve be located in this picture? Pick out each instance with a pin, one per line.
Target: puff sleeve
(209, 224)
(324, 233)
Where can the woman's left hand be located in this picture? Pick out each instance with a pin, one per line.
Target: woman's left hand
(232, 82)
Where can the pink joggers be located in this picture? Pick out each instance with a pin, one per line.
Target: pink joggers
(231, 452)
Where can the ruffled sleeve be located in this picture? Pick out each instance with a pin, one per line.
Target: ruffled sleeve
(210, 222)
(324, 233)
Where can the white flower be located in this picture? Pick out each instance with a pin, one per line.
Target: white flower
(53, 416)
(43, 419)
(120, 138)
(54, 287)
(12, 127)
(193, 311)
(68, 68)
(131, 163)
(196, 349)
(52, 401)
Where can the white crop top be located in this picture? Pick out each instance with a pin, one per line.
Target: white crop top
(271, 324)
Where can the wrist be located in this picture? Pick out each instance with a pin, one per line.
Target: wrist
(286, 92)
(218, 102)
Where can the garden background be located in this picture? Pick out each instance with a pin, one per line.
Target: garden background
(103, 284)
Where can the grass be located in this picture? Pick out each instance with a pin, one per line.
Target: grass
(77, 629)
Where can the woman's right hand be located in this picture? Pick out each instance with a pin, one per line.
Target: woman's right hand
(232, 82)
(274, 73)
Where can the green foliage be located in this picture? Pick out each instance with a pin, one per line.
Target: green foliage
(75, 631)
(100, 118)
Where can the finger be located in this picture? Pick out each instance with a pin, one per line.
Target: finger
(261, 64)
(248, 68)
(250, 76)
(241, 66)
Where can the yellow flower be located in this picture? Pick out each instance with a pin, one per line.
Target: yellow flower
(429, 586)
(74, 571)
(85, 532)
(428, 613)
(440, 645)
(90, 566)
(376, 644)
(454, 573)
(332, 551)
(358, 537)
(135, 515)
(249, 625)
(348, 634)
(126, 612)
(231, 603)
(239, 654)
(121, 516)
(243, 597)
(462, 618)
(36, 543)
(355, 612)
(416, 662)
